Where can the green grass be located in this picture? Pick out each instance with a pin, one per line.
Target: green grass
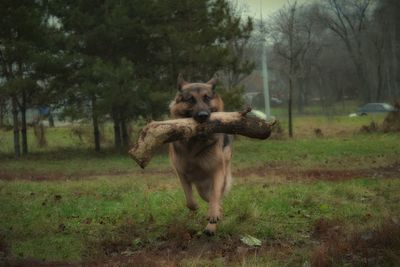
(79, 137)
(105, 205)
(352, 152)
(317, 152)
(73, 220)
(315, 109)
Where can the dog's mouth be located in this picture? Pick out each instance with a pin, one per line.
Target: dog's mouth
(186, 114)
(199, 116)
(202, 116)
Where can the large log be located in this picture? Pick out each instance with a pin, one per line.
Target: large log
(157, 133)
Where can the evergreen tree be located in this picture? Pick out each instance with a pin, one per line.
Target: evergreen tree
(23, 44)
(128, 53)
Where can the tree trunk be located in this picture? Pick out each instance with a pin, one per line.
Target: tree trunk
(389, 82)
(362, 74)
(2, 113)
(125, 135)
(358, 61)
(23, 125)
(291, 68)
(290, 106)
(96, 131)
(117, 131)
(343, 98)
(321, 92)
(380, 82)
(300, 103)
(51, 119)
(394, 55)
(17, 150)
(117, 135)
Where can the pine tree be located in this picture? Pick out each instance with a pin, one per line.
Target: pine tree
(23, 36)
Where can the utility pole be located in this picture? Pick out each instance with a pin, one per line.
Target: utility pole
(264, 66)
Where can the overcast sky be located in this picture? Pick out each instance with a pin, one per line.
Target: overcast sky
(252, 7)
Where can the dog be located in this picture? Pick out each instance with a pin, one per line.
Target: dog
(202, 161)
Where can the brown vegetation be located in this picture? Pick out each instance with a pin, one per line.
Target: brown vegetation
(392, 120)
(371, 128)
(40, 134)
(372, 247)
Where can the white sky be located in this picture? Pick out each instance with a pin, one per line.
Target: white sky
(268, 7)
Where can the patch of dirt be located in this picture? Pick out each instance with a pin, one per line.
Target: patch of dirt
(374, 247)
(10, 175)
(325, 229)
(333, 245)
(33, 176)
(178, 243)
(178, 246)
(390, 171)
(4, 248)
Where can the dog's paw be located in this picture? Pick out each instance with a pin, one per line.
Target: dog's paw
(213, 219)
(214, 215)
(192, 206)
(210, 229)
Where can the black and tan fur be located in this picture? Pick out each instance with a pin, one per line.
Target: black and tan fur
(203, 161)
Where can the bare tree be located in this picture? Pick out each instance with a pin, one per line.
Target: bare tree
(3, 105)
(292, 37)
(311, 34)
(348, 20)
(385, 37)
(377, 47)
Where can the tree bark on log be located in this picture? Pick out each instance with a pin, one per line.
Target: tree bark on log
(156, 133)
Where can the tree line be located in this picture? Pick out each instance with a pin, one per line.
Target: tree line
(333, 50)
(118, 60)
(111, 59)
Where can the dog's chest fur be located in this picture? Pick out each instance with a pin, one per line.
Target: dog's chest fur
(198, 156)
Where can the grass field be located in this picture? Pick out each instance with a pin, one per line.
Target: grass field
(325, 201)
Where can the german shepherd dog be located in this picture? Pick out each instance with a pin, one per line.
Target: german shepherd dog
(204, 161)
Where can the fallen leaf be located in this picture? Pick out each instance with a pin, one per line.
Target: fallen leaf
(251, 241)
(127, 253)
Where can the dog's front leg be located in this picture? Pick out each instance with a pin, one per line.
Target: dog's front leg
(214, 208)
(187, 188)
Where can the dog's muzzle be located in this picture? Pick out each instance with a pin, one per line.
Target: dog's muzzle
(202, 116)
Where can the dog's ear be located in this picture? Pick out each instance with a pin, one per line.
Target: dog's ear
(213, 82)
(179, 98)
(181, 82)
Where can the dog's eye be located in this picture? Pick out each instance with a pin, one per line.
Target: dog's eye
(207, 98)
(191, 100)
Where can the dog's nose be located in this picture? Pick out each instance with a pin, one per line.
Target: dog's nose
(202, 116)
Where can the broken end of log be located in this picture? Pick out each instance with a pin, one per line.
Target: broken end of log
(272, 122)
(247, 110)
(141, 161)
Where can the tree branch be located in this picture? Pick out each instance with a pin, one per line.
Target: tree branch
(157, 133)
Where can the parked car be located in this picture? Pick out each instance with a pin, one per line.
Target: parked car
(276, 101)
(374, 108)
